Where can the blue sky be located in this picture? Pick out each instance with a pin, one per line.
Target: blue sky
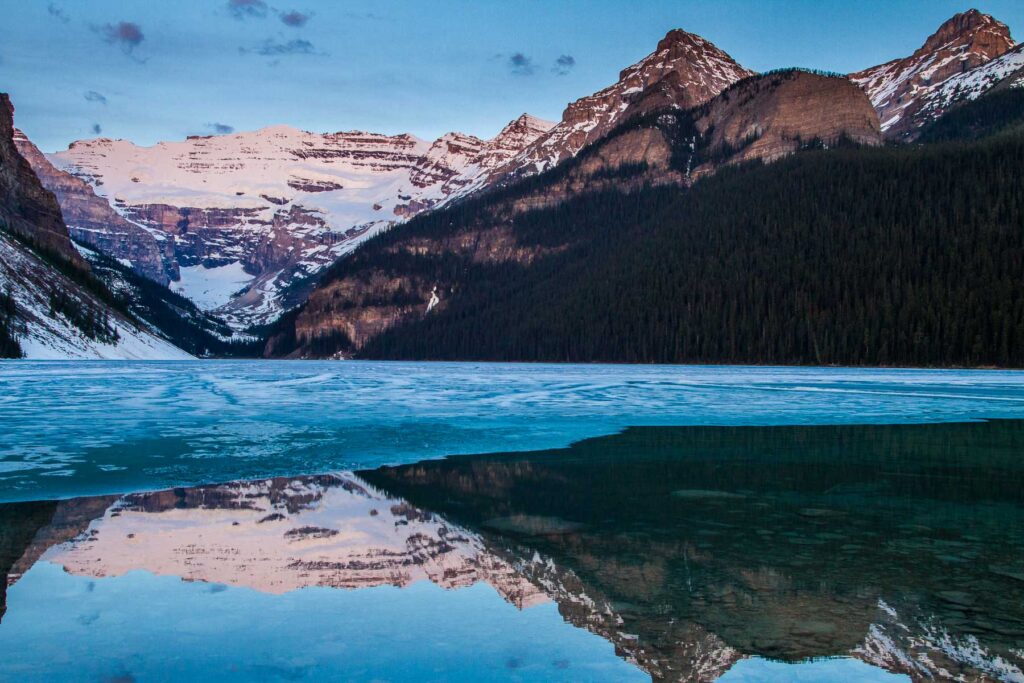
(150, 71)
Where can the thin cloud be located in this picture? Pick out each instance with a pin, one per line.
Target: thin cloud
(245, 9)
(125, 34)
(57, 13)
(93, 96)
(295, 19)
(521, 65)
(220, 128)
(563, 65)
(96, 129)
(369, 16)
(274, 48)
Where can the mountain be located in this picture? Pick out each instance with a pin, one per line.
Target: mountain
(92, 221)
(247, 219)
(53, 305)
(273, 536)
(904, 91)
(684, 70)
(488, 241)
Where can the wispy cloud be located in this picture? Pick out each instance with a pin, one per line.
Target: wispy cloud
(276, 48)
(244, 9)
(294, 18)
(93, 96)
(521, 65)
(57, 13)
(368, 16)
(125, 34)
(220, 128)
(563, 65)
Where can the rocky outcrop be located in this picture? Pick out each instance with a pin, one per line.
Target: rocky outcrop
(27, 209)
(770, 116)
(900, 88)
(91, 220)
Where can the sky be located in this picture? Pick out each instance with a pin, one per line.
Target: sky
(150, 71)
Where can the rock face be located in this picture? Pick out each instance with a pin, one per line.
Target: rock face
(899, 89)
(60, 310)
(685, 70)
(767, 117)
(278, 204)
(91, 220)
(27, 209)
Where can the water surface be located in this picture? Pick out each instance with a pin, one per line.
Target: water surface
(79, 428)
(853, 553)
(605, 523)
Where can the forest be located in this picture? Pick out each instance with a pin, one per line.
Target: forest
(909, 255)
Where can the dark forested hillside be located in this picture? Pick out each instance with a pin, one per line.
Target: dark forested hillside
(856, 256)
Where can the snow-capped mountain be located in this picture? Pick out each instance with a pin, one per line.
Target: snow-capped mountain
(53, 306)
(900, 89)
(251, 215)
(690, 69)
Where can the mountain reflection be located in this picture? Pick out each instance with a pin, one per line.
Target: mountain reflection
(688, 549)
(899, 545)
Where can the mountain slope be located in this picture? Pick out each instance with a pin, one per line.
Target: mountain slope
(53, 304)
(505, 234)
(900, 89)
(860, 256)
(1000, 73)
(249, 217)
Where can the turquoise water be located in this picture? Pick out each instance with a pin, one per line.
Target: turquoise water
(591, 523)
(80, 428)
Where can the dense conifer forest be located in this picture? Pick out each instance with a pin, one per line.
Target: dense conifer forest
(908, 255)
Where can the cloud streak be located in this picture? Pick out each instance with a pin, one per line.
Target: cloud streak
(57, 13)
(563, 65)
(246, 9)
(125, 34)
(295, 19)
(521, 65)
(93, 96)
(276, 48)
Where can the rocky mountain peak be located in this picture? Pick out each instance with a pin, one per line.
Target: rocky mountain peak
(898, 88)
(27, 209)
(525, 128)
(973, 29)
(690, 69)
